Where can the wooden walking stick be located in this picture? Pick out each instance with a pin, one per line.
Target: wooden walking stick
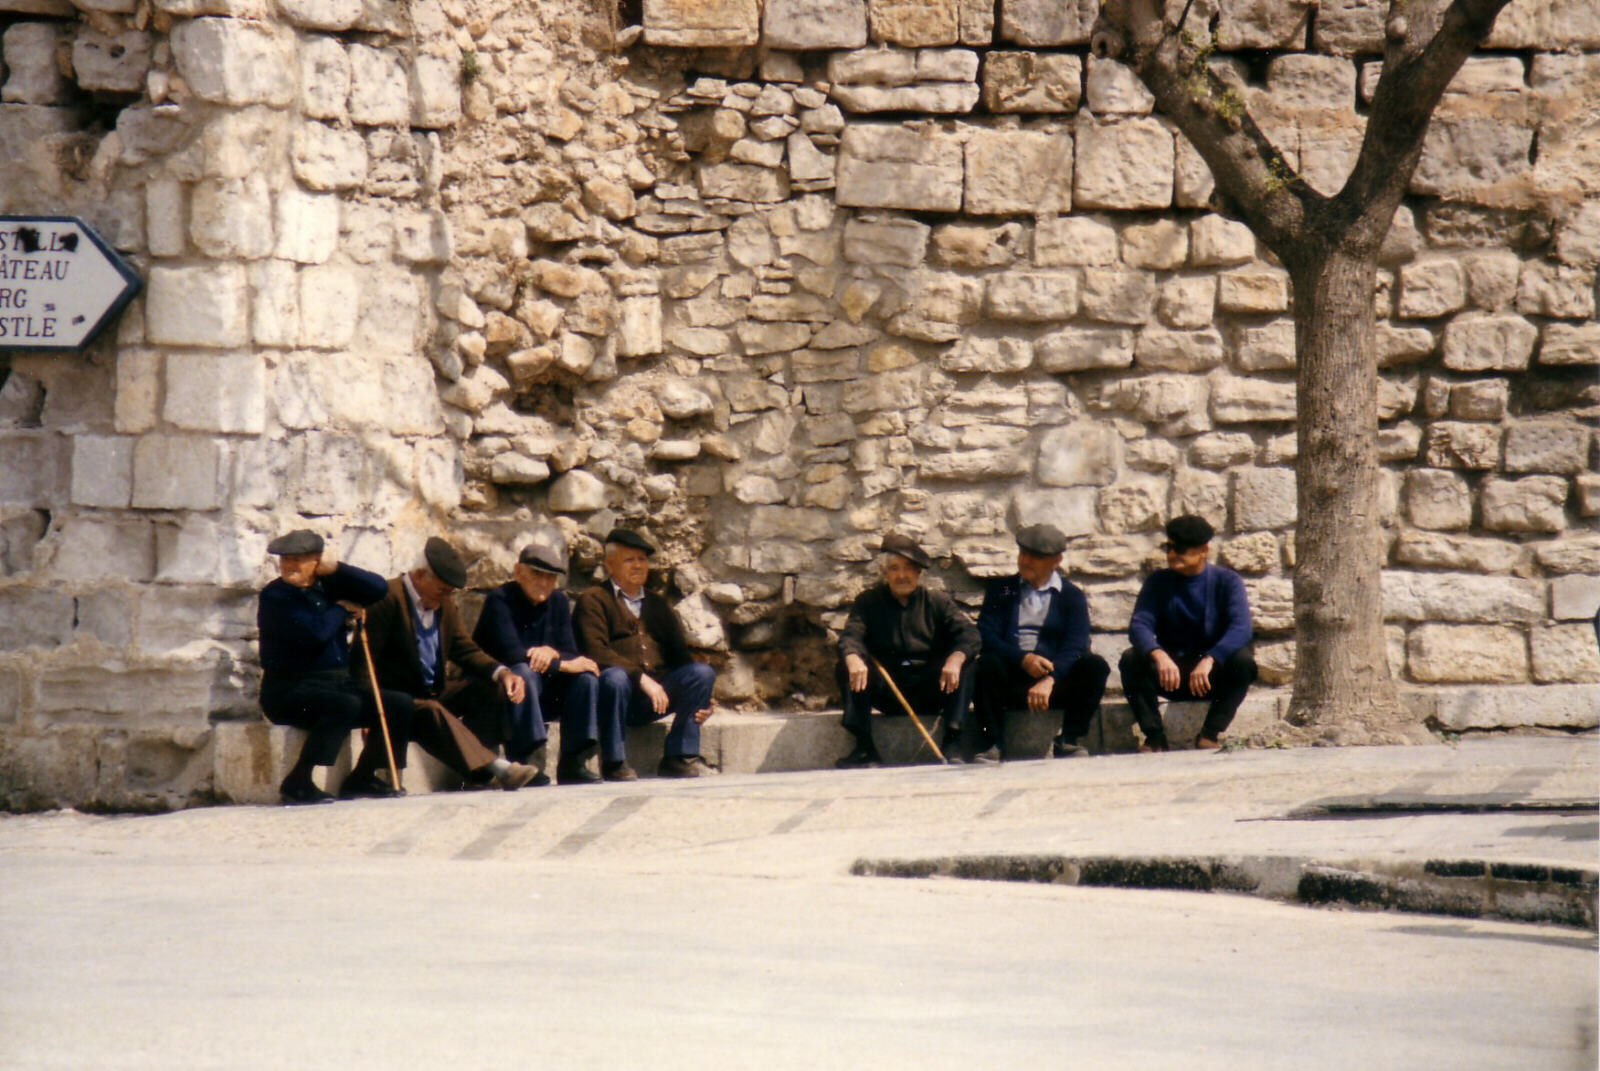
(911, 713)
(377, 697)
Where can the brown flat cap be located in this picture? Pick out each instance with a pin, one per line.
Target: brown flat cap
(907, 548)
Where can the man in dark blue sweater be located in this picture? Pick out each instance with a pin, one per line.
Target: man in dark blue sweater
(526, 624)
(1035, 631)
(1191, 637)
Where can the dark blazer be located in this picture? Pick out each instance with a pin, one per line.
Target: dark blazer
(1063, 638)
(509, 624)
(302, 629)
(612, 636)
(929, 628)
(392, 632)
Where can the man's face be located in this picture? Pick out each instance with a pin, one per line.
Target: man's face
(629, 567)
(299, 569)
(902, 576)
(1036, 568)
(536, 584)
(1189, 561)
(431, 591)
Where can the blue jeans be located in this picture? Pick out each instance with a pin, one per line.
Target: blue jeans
(688, 692)
(572, 696)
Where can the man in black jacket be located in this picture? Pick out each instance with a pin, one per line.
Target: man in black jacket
(920, 637)
(1035, 629)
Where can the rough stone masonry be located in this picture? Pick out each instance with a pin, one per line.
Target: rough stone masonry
(768, 279)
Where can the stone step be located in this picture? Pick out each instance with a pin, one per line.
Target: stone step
(250, 758)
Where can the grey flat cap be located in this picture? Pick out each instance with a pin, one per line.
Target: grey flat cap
(299, 541)
(543, 557)
(445, 562)
(907, 548)
(1045, 540)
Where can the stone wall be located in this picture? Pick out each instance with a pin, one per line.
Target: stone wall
(768, 280)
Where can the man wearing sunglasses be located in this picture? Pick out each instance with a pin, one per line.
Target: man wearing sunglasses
(1191, 638)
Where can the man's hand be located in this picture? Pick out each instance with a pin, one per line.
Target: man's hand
(539, 658)
(1167, 672)
(512, 685)
(1200, 678)
(357, 612)
(701, 716)
(1036, 665)
(856, 668)
(581, 664)
(656, 693)
(1039, 694)
(950, 675)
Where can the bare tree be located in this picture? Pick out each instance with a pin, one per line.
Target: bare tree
(1342, 687)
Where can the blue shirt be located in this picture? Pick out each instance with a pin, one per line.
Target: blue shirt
(427, 634)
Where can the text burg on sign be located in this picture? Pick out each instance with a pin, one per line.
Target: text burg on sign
(60, 284)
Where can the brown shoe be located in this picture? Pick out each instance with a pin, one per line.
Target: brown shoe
(517, 775)
(1153, 744)
(1206, 743)
(618, 771)
(684, 766)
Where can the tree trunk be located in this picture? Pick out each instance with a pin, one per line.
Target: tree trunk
(1343, 692)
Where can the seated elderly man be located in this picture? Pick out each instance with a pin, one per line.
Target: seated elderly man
(920, 638)
(305, 659)
(1191, 637)
(1035, 630)
(646, 671)
(415, 631)
(526, 624)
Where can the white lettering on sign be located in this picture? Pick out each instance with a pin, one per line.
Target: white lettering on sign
(59, 283)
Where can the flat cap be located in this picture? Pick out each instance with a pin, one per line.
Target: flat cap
(907, 548)
(299, 541)
(1188, 531)
(627, 537)
(445, 562)
(542, 556)
(1044, 540)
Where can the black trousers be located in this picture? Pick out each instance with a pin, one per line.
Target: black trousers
(918, 682)
(1003, 686)
(327, 705)
(1229, 682)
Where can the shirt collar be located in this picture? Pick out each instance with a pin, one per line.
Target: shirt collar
(423, 616)
(625, 597)
(1053, 584)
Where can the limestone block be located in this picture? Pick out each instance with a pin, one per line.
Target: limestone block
(1263, 499)
(23, 125)
(1202, 493)
(1039, 82)
(639, 331)
(1463, 156)
(1078, 455)
(1124, 164)
(325, 158)
(1578, 236)
(391, 306)
(138, 389)
(518, 470)
(435, 91)
(1159, 246)
(235, 62)
(1018, 171)
(976, 354)
(1531, 504)
(1262, 24)
(1431, 287)
(1555, 290)
(1074, 241)
(945, 297)
(1487, 654)
(1556, 446)
(1479, 342)
(1564, 653)
(875, 67)
(1469, 597)
(915, 23)
(814, 24)
(324, 78)
(115, 63)
(1265, 347)
(936, 98)
(1271, 603)
(216, 392)
(1077, 349)
(808, 164)
(1114, 89)
(1574, 598)
(1546, 24)
(88, 548)
(1237, 400)
(1253, 290)
(176, 472)
(1178, 351)
(1401, 345)
(1438, 499)
(1433, 550)
(1215, 242)
(423, 238)
(743, 182)
(1047, 22)
(885, 240)
(1072, 509)
(165, 212)
(231, 219)
(696, 23)
(321, 14)
(1222, 449)
(199, 550)
(1348, 27)
(379, 90)
(1570, 344)
(1192, 181)
(1119, 297)
(1133, 506)
(895, 391)
(32, 76)
(1588, 488)
(969, 245)
(1577, 554)
(884, 166)
(1175, 402)
(1032, 296)
(329, 299)
(1300, 80)
(1253, 553)
(202, 306)
(1566, 706)
(307, 226)
(275, 303)
(1463, 446)
(576, 491)
(102, 470)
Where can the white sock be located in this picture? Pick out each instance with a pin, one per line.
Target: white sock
(499, 766)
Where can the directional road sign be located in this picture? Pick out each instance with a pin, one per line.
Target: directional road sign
(59, 283)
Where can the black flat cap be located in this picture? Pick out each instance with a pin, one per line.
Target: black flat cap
(1188, 531)
(907, 548)
(1044, 540)
(627, 537)
(445, 562)
(299, 541)
(542, 556)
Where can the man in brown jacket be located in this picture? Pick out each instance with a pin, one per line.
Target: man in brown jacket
(413, 631)
(646, 671)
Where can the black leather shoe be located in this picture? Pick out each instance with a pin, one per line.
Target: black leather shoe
(684, 766)
(358, 786)
(863, 757)
(618, 771)
(1063, 748)
(298, 793)
(571, 770)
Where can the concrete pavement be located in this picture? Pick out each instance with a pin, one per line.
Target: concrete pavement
(716, 923)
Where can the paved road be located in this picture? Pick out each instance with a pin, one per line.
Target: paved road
(715, 924)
